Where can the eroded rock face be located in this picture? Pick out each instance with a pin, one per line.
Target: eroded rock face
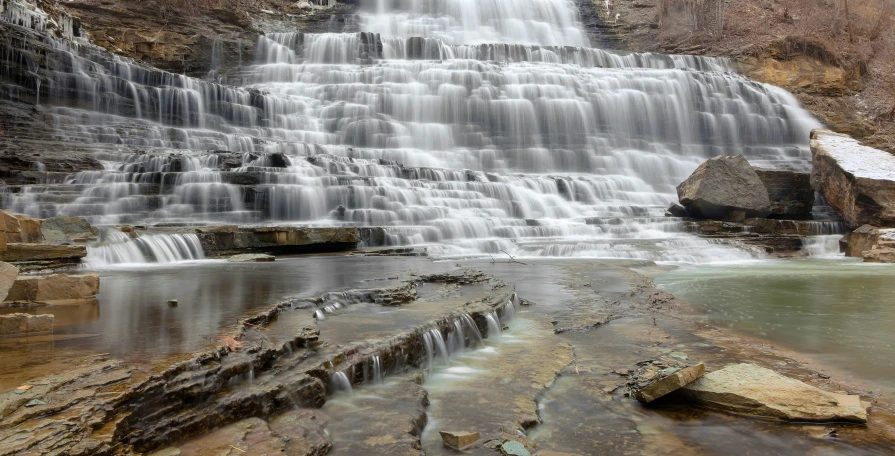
(875, 245)
(789, 192)
(753, 390)
(857, 181)
(724, 187)
(8, 274)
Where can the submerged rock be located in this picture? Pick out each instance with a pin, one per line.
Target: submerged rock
(512, 447)
(459, 440)
(753, 390)
(20, 324)
(857, 181)
(251, 258)
(724, 188)
(669, 382)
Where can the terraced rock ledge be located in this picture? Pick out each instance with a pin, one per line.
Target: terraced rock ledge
(280, 365)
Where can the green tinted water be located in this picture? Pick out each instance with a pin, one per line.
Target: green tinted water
(840, 312)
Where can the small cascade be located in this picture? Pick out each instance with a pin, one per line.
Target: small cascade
(339, 383)
(494, 326)
(823, 246)
(116, 247)
(436, 349)
(377, 370)
(319, 315)
(509, 312)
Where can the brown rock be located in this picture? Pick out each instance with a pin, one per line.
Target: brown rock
(857, 181)
(40, 252)
(754, 390)
(875, 245)
(24, 324)
(722, 187)
(54, 287)
(459, 440)
(673, 382)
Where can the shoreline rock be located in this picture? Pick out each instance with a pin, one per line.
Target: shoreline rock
(753, 390)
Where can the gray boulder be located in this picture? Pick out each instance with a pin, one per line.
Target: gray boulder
(724, 188)
(790, 192)
(62, 228)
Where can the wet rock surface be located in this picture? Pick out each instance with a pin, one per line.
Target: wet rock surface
(651, 385)
(875, 245)
(789, 192)
(723, 187)
(753, 390)
(857, 181)
(54, 288)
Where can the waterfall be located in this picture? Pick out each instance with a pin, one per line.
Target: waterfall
(494, 327)
(470, 127)
(118, 248)
(339, 383)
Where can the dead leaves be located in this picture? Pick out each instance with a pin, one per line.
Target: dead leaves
(231, 343)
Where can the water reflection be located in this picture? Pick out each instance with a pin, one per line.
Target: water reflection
(840, 312)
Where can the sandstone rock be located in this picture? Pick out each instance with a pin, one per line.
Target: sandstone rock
(8, 274)
(875, 245)
(21, 324)
(753, 390)
(857, 181)
(251, 258)
(63, 228)
(17, 252)
(20, 228)
(459, 440)
(789, 192)
(54, 287)
(722, 187)
(674, 381)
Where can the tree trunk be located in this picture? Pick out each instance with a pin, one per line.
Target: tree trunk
(851, 35)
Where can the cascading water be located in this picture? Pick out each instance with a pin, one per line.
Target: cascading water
(470, 127)
(339, 383)
(116, 247)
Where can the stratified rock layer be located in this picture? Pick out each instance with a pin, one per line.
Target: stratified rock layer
(753, 390)
(789, 192)
(722, 186)
(857, 181)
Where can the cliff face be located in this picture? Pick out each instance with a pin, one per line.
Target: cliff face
(840, 66)
(198, 36)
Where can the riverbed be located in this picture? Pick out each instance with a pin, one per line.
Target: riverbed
(839, 312)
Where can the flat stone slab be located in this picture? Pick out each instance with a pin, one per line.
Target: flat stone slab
(753, 390)
(251, 258)
(670, 383)
(16, 252)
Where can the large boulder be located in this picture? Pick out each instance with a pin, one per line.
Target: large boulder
(724, 188)
(54, 287)
(754, 390)
(857, 181)
(20, 228)
(789, 192)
